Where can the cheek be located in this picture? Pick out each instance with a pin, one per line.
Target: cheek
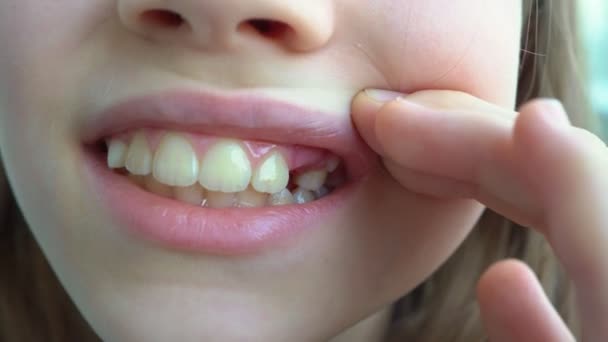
(466, 45)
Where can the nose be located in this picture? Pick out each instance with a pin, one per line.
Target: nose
(299, 25)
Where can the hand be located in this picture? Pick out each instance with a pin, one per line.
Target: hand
(533, 167)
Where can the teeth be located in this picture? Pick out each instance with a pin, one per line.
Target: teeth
(139, 180)
(139, 157)
(225, 168)
(282, 197)
(154, 186)
(220, 200)
(117, 154)
(311, 180)
(175, 161)
(194, 194)
(321, 192)
(271, 175)
(251, 198)
(223, 178)
(302, 196)
(332, 164)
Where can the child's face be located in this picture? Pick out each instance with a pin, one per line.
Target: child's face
(63, 62)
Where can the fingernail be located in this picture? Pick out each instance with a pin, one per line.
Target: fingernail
(380, 95)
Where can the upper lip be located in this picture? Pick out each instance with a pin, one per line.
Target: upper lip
(241, 115)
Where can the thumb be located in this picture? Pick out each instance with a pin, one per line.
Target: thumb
(514, 306)
(366, 104)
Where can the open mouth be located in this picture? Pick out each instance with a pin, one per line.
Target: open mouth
(183, 170)
(217, 172)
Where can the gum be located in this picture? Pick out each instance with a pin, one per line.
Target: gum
(298, 158)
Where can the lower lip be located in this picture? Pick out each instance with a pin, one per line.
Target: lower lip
(177, 225)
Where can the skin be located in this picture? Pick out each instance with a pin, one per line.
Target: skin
(65, 60)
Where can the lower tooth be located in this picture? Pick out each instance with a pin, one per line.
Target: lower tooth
(251, 198)
(194, 194)
(218, 200)
(302, 196)
(138, 180)
(154, 186)
(281, 198)
(321, 192)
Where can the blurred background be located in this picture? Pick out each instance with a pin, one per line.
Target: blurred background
(594, 24)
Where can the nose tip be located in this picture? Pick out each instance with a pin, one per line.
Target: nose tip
(225, 24)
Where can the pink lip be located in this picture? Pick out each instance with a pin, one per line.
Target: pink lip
(221, 231)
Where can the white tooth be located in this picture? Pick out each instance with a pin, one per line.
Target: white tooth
(302, 196)
(175, 161)
(321, 192)
(117, 153)
(194, 194)
(311, 180)
(220, 199)
(332, 164)
(158, 188)
(139, 157)
(225, 167)
(281, 198)
(271, 175)
(251, 198)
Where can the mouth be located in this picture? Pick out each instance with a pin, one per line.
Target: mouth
(221, 174)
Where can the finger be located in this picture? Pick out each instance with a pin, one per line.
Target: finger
(514, 306)
(365, 105)
(567, 170)
(452, 139)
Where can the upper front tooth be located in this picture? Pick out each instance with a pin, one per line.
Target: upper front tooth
(117, 154)
(175, 161)
(225, 167)
(139, 156)
(271, 175)
(311, 180)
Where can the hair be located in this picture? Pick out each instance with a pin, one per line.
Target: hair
(550, 66)
(35, 307)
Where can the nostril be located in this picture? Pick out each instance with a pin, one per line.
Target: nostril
(162, 18)
(266, 27)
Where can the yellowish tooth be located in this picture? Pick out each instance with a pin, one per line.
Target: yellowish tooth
(282, 197)
(311, 180)
(251, 198)
(117, 153)
(175, 161)
(225, 167)
(271, 175)
(154, 186)
(302, 196)
(139, 156)
(138, 180)
(332, 164)
(220, 199)
(194, 194)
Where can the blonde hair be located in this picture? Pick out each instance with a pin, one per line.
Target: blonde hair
(35, 307)
(444, 307)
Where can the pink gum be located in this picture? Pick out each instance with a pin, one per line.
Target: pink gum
(297, 157)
